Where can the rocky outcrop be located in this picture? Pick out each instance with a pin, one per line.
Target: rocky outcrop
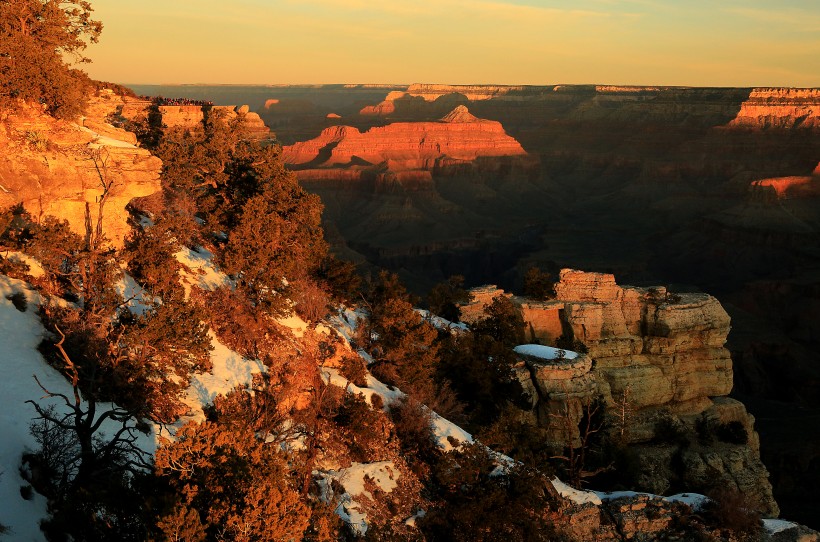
(58, 168)
(805, 186)
(459, 136)
(657, 364)
(190, 116)
(783, 108)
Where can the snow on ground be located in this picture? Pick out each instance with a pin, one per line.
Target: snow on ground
(382, 473)
(20, 334)
(774, 526)
(544, 352)
(442, 324)
(346, 321)
(35, 269)
(577, 496)
(229, 371)
(694, 500)
(105, 141)
(137, 300)
(199, 270)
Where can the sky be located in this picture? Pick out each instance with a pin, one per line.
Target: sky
(528, 42)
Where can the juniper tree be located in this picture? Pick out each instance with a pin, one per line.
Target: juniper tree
(39, 40)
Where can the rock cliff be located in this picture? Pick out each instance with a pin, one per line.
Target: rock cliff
(657, 363)
(783, 108)
(58, 168)
(459, 136)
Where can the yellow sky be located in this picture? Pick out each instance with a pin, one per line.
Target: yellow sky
(660, 42)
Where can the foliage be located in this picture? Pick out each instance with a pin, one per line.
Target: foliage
(444, 298)
(516, 437)
(401, 342)
(414, 429)
(341, 278)
(730, 509)
(228, 485)
(538, 284)
(149, 253)
(476, 502)
(37, 37)
(479, 364)
(503, 323)
(354, 369)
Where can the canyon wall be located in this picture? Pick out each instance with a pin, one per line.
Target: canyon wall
(457, 137)
(62, 168)
(657, 363)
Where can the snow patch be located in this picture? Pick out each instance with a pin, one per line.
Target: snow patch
(544, 352)
(442, 324)
(576, 495)
(199, 270)
(382, 473)
(136, 298)
(229, 371)
(774, 526)
(35, 268)
(20, 361)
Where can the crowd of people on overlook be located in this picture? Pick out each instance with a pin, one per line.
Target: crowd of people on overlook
(161, 100)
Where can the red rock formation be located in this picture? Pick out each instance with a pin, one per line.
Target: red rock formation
(805, 186)
(407, 145)
(780, 108)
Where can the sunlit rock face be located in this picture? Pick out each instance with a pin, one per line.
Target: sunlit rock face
(780, 108)
(59, 168)
(457, 137)
(656, 356)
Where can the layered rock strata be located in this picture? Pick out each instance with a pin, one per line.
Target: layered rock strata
(783, 108)
(656, 362)
(457, 138)
(63, 169)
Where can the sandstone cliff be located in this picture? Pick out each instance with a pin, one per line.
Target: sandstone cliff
(656, 361)
(408, 145)
(780, 108)
(58, 168)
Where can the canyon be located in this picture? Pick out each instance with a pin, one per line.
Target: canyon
(703, 189)
(662, 349)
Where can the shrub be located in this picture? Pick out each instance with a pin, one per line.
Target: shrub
(729, 508)
(669, 430)
(354, 369)
(414, 428)
(732, 432)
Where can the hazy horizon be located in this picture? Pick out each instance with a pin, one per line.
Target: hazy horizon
(756, 43)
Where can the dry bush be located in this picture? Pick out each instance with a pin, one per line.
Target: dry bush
(733, 510)
(414, 429)
(354, 369)
(311, 299)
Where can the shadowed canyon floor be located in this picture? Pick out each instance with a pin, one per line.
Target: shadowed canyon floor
(701, 188)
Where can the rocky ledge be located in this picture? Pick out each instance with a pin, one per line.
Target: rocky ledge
(59, 168)
(656, 362)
